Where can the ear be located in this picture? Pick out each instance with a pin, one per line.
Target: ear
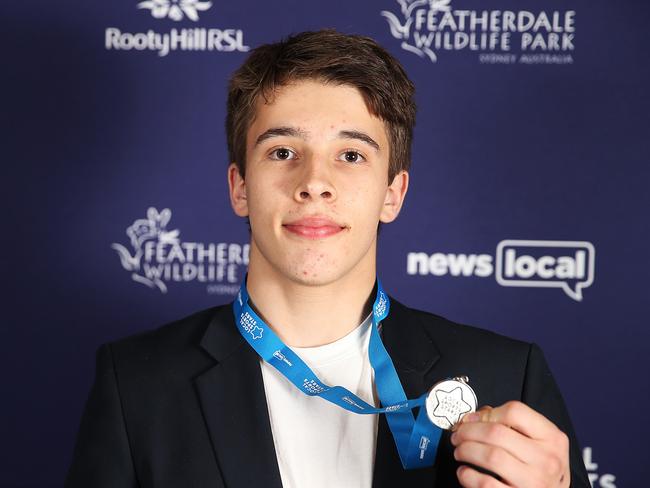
(395, 194)
(237, 188)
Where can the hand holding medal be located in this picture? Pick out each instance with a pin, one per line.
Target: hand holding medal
(514, 442)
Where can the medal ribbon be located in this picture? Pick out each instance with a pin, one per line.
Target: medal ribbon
(416, 440)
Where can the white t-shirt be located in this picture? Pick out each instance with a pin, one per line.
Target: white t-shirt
(319, 444)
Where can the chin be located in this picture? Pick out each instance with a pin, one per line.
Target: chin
(315, 275)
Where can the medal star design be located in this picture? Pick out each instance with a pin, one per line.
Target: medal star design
(256, 332)
(451, 405)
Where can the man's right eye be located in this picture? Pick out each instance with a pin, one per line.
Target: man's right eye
(282, 154)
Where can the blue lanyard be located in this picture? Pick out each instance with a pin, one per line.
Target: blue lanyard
(416, 440)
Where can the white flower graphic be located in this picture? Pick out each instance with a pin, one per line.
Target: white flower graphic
(175, 9)
(153, 228)
(403, 32)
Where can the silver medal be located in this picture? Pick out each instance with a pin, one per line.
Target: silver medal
(449, 400)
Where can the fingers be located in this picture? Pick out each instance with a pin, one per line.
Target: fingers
(514, 442)
(520, 417)
(496, 434)
(494, 459)
(470, 478)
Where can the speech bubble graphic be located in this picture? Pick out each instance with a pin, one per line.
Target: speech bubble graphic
(523, 263)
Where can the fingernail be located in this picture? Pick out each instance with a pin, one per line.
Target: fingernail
(472, 417)
(454, 438)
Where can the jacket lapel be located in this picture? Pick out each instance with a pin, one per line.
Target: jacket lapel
(414, 355)
(234, 407)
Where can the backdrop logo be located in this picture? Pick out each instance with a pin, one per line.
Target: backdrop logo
(427, 27)
(568, 265)
(175, 9)
(534, 263)
(596, 477)
(158, 256)
(194, 39)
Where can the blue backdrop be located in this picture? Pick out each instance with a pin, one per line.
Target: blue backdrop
(527, 213)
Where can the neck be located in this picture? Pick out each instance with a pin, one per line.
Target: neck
(307, 315)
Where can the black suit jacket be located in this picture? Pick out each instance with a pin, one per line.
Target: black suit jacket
(184, 405)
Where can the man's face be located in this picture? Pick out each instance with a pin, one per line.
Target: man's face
(316, 184)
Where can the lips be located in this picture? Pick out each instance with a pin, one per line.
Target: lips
(314, 227)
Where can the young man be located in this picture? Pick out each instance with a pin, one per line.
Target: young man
(319, 131)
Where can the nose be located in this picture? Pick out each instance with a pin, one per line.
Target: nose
(315, 181)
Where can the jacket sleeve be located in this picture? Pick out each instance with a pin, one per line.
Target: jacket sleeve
(102, 454)
(542, 393)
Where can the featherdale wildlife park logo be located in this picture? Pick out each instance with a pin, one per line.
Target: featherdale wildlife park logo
(428, 28)
(158, 257)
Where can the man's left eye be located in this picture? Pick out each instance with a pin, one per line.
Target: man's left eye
(352, 157)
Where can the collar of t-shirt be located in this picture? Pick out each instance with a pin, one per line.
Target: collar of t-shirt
(355, 343)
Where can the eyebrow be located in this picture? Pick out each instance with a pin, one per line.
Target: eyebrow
(279, 132)
(295, 132)
(360, 136)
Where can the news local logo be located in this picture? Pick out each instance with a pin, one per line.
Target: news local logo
(567, 265)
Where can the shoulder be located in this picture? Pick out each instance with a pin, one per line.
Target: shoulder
(171, 348)
(447, 334)
(496, 365)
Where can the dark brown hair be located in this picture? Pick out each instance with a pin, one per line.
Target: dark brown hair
(332, 57)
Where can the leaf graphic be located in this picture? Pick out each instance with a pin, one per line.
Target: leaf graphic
(152, 214)
(129, 262)
(166, 214)
(420, 52)
(404, 4)
(442, 5)
(415, 4)
(161, 285)
(149, 5)
(143, 280)
(202, 6)
(160, 11)
(398, 30)
(190, 12)
(175, 13)
(415, 50)
(430, 53)
(171, 236)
